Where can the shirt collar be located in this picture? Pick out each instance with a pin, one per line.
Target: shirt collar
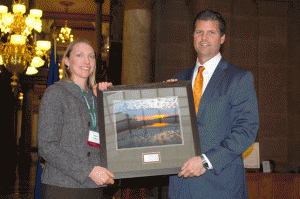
(210, 65)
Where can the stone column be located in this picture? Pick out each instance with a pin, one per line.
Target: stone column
(136, 67)
(100, 71)
(114, 69)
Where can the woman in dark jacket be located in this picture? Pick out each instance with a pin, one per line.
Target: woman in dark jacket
(68, 131)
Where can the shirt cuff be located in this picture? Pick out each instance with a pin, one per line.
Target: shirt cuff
(208, 162)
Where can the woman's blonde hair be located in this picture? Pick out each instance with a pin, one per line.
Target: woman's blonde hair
(66, 72)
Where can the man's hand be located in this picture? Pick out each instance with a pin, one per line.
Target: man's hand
(102, 86)
(101, 176)
(192, 168)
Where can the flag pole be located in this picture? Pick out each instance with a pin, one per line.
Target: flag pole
(54, 43)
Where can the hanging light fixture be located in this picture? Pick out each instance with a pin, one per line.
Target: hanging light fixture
(60, 71)
(19, 48)
(65, 35)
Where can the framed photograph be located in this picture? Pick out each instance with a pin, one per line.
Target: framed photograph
(147, 129)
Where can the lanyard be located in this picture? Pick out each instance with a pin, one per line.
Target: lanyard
(91, 111)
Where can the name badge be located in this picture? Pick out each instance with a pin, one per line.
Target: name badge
(94, 139)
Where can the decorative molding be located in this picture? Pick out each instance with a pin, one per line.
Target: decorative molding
(73, 16)
(69, 16)
(74, 25)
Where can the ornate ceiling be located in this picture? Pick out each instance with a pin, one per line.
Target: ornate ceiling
(81, 14)
(80, 7)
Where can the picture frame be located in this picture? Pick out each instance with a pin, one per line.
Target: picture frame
(147, 129)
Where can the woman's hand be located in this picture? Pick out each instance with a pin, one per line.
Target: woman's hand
(172, 80)
(101, 176)
(102, 86)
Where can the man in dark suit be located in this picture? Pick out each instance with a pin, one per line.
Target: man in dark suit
(227, 118)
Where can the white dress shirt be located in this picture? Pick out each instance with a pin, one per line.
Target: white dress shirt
(210, 67)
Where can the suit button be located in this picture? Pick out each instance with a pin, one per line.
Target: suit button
(89, 124)
(88, 154)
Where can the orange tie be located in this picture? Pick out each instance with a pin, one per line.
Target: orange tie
(198, 84)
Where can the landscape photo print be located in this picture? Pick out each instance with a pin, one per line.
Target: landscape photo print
(147, 122)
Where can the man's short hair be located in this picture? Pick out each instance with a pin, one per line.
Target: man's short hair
(212, 16)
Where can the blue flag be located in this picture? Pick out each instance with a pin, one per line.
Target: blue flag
(53, 67)
(53, 76)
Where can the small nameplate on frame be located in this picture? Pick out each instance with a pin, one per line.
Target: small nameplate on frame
(151, 157)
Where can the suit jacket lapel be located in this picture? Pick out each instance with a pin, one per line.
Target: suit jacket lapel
(212, 84)
(73, 90)
(190, 73)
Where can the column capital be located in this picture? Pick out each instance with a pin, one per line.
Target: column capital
(46, 25)
(138, 4)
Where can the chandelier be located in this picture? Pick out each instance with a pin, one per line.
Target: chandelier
(65, 35)
(17, 46)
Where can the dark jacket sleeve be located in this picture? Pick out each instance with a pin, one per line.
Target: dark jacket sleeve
(244, 123)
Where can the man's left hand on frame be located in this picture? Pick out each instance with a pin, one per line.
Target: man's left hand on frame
(192, 168)
(101, 86)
